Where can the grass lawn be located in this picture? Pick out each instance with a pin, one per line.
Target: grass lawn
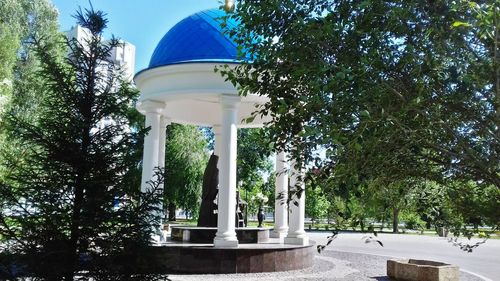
(326, 227)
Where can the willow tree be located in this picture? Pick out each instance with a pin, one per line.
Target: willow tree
(186, 158)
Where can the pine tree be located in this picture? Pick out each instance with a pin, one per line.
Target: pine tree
(67, 210)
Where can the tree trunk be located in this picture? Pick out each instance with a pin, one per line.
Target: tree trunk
(383, 220)
(79, 199)
(74, 232)
(395, 220)
(171, 211)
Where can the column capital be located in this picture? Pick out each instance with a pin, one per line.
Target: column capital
(150, 106)
(229, 101)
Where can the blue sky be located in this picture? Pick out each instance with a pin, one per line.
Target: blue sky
(140, 22)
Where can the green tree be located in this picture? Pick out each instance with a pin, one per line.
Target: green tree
(186, 158)
(254, 167)
(397, 196)
(20, 86)
(385, 87)
(476, 204)
(458, 205)
(66, 208)
(316, 205)
(9, 43)
(252, 156)
(21, 22)
(249, 195)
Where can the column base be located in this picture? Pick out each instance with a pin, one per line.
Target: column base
(303, 241)
(225, 243)
(159, 238)
(297, 238)
(278, 234)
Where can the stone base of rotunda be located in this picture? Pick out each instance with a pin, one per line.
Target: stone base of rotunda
(183, 258)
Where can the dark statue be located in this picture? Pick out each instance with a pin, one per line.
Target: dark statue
(208, 215)
(208, 208)
(260, 216)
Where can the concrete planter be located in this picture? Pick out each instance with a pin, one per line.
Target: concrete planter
(421, 270)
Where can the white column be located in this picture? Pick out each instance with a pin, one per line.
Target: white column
(150, 159)
(280, 205)
(296, 234)
(226, 234)
(164, 122)
(217, 139)
(152, 110)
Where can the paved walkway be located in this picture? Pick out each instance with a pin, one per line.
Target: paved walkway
(350, 258)
(330, 265)
(484, 260)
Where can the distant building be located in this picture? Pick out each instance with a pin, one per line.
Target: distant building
(123, 55)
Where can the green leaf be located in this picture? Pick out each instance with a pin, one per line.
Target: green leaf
(340, 75)
(365, 114)
(460, 23)
(358, 146)
(249, 119)
(364, 4)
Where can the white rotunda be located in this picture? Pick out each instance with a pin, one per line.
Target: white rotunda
(181, 86)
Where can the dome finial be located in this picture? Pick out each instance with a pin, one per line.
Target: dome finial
(229, 6)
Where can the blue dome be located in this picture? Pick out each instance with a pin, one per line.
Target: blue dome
(197, 38)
